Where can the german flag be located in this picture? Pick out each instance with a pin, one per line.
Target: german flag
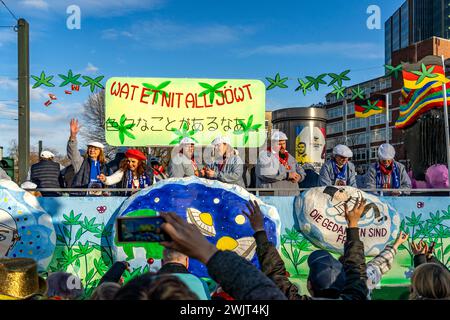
(429, 69)
(370, 107)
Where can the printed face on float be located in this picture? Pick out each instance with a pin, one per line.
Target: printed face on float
(386, 163)
(132, 164)
(8, 234)
(340, 160)
(301, 148)
(93, 152)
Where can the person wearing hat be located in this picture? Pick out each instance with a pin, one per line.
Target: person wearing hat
(46, 174)
(277, 169)
(158, 170)
(182, 163)
(132, 173)
(338, 171)
(87, 168)
(387, 173)
(19, 279)
(227, 167)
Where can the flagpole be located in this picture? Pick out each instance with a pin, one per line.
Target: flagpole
(387, 116)
(345, 120)
(447, 137)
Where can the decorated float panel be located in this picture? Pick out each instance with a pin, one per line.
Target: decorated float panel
(77, 234)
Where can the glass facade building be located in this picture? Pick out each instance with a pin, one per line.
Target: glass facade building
(415, 21)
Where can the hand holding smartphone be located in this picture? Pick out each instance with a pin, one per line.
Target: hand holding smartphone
(141, 229)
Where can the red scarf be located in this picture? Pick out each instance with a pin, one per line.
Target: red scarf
(283, 160)
(386, 175)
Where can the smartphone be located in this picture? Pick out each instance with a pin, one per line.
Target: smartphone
(141, 229)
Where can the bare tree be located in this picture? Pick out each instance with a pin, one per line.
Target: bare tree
(93, 125)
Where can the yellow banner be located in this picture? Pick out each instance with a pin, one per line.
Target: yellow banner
(163, 111)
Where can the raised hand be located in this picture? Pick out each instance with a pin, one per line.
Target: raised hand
(186, 238)
(354, 215)
(402, 237)
(255, 216)
(74, 128)
(419, 248)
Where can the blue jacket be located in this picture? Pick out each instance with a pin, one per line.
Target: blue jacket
(327, 177)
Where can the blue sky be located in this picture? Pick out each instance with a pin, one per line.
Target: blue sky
(189, 39)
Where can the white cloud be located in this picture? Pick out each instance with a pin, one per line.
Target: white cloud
(7, 36)
(92, 7)
(91, 68)
(36, 94)
(164, 34)
(35, 4)
(360, 50)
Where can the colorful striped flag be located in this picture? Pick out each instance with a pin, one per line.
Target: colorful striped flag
(417, 102)
(367, 108)
(429, 69)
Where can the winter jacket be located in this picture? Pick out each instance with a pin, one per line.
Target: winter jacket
(378, 266)
(114, 273)
(271, 174)
(47, 174)
(197, 285)
(232, 171)
(180, 166)
(240, 279)
(371, 177)
(120, 180)
(173, 267)
(81, 166)
(354, 267)
(328, 178)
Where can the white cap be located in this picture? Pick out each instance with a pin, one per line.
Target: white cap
(278, 135)
(187, 140)
(343, 151)
(47, 154)
(96, 144)
(28, 185)
(386, 152)
(220, 140)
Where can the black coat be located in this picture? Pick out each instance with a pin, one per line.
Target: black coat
(46, 174)
(354, 266)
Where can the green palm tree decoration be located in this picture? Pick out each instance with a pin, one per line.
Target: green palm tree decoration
(339, 78)
(316, 82)
(157, 89)
(212, 90)
(184, 133)
(93, 82)
(43, 80)
(339, 91)
(70, 78)
(247, 128)
(391, 70)
(277, 82)
(123, 128)
(425, 73)
(358, 93)
(371, 106)
(304, 86)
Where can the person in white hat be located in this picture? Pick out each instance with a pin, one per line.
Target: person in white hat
(278, 169)
(46, 174)
(227, 167)
(182, 163)
(87, 168)
(387, 173)
(338, 171)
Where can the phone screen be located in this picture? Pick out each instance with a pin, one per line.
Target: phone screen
(141, 229)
